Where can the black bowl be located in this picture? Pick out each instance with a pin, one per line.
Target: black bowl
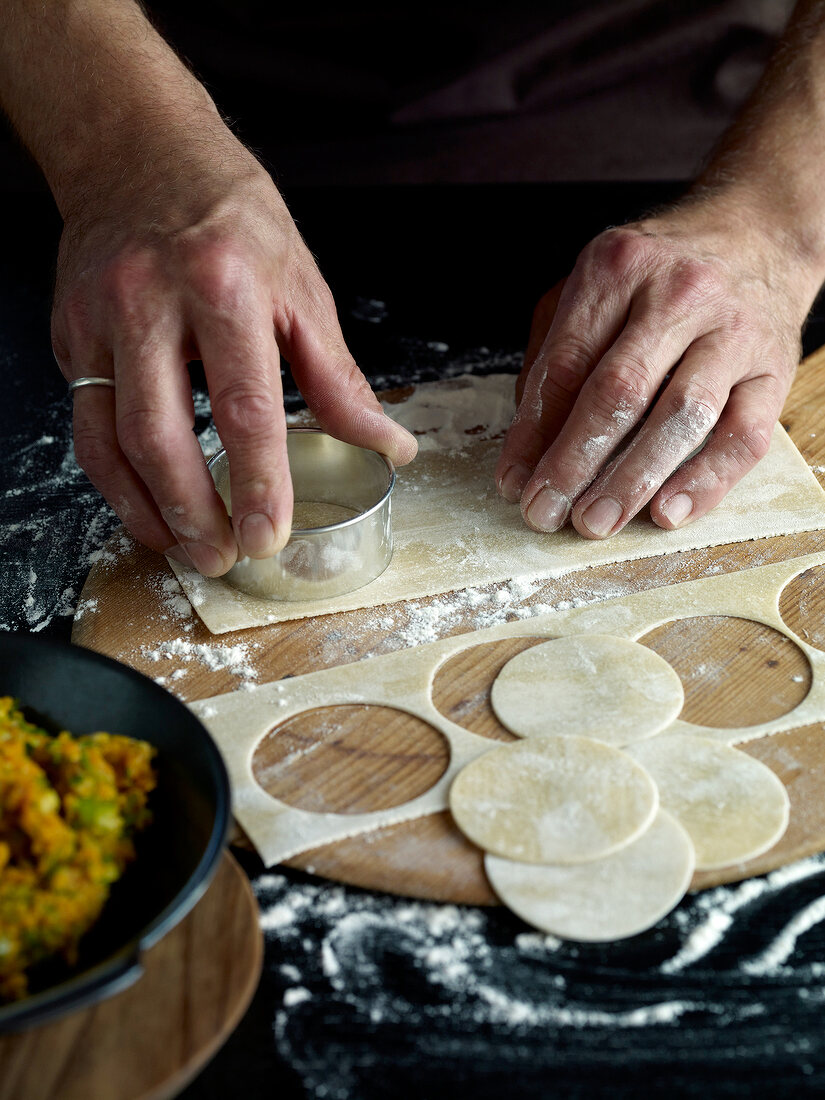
(66, 687)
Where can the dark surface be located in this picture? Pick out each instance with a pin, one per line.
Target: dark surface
(367, 996)
(65, 687)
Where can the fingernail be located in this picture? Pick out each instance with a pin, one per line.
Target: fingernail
(602, 516)
(548, 510)
(205, 558)
(511, 485)
(179, 554)
(258, 538)
(678, 508)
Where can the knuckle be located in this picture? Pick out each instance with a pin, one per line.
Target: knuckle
(145, 438)
(127, 275)
(620, 251)
(692, 284)
(695, 409)
(750, 442)
(242, 410)
(219, 273)
(571, 359)
(624, 386)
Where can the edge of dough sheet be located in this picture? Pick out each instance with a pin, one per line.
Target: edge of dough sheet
(453, 530)
(403, 680)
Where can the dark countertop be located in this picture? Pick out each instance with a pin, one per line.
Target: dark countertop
(367, 996)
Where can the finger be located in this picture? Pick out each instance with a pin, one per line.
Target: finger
(543, 316)
(235, 335)
(80, 351)
(155, 419)
(333, 386)
(75, 338)
(678, 424)
(612, 401)
(742, 437)
(98, 453)
(585, 324)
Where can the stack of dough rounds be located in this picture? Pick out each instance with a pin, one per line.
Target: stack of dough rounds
(588, 841)
(553, 800)
(732, 806)
(609, 899)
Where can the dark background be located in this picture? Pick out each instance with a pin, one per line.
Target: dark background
(437, 233)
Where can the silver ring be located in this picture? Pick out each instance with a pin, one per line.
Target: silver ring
(79, 383)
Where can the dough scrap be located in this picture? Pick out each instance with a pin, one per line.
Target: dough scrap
(595, 685)
(402, 679)
(733, 806)
(606, 899)
(451, 528)
(553, 800)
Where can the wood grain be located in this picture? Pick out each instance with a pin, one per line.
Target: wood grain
(730, 669)
(350, 759)
(148, 1042)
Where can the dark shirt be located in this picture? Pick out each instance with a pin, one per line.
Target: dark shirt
(378, 85)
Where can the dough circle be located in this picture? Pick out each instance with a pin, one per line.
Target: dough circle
(596, 685)
(553, 800)
(733, 806)
(608, 899)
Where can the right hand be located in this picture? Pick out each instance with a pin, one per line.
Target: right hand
(197, 257)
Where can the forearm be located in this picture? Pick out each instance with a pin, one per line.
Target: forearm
(769, 167)
(98, 96)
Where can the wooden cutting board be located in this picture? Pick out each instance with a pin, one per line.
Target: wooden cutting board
(148, 1042)
(734, 672)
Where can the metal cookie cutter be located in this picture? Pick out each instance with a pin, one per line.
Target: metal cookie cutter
(342, 533)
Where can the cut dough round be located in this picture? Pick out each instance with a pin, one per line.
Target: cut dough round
(553, 800)
(599, 686)
(733, 807)
(607, 899)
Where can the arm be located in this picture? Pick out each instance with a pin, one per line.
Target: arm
(712, 293)
(176, 245)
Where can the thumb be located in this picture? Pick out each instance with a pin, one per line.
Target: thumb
(338, 393)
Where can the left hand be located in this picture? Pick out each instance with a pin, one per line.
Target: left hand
(673, 332)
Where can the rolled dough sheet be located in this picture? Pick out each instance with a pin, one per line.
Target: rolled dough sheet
(451, 528)
(608, 899)
(238, 720)
(595, 685)
(732, 806)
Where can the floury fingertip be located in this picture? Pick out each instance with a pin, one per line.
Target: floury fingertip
(548, 510)
(511, 484)
(677, 510)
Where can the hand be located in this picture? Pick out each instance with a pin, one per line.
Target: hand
(670, 333)
(198, 257)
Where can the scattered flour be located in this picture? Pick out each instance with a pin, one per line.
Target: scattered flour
(443, 423)
(234, 659)
(354, 958)
(711, 916)
(474, 609)
(771, 961)
(174, 599)
(296, 996)
(86, 607)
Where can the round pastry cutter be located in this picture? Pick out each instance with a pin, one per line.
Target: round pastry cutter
(342, 531)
